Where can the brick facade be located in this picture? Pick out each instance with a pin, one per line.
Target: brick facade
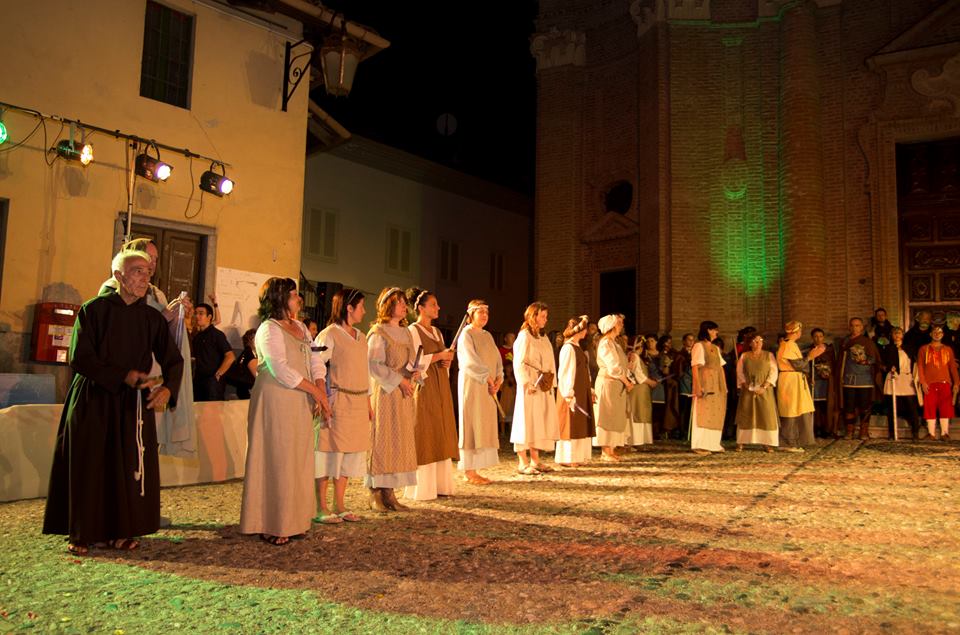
(759, 138)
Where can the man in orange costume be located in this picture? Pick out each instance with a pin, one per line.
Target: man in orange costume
(937, 372)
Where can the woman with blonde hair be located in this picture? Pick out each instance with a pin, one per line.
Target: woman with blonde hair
(436, 431)
(612, 385)
(535, 412)
(392, 462)
(480, 376)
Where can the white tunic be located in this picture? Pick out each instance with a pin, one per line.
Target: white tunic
(534, 413)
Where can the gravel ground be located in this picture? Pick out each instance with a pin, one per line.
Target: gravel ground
(850, 537)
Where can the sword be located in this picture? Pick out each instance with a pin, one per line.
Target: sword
(456, 337)
(893, 390)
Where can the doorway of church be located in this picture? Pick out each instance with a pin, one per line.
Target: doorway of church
(928, 205)
(618, 294)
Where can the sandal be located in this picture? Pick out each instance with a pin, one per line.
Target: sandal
(124, 544)
(477, 480)
(542, 467)
(77, 549)
(528, 470)
(350, 517)
(326, 518)
(276, 541)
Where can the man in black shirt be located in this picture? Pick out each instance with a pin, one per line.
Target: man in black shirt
(212, 354)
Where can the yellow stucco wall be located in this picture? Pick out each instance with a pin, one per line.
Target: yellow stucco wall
(81, 60)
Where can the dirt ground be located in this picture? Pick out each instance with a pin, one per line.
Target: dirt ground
(850, 537)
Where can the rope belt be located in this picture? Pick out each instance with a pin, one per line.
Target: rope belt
(139, 474)
(349, 392)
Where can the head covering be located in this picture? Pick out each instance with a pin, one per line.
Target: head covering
(792, 326)
(570, 331)
(607, 323)
(474, 305)
(386, 296)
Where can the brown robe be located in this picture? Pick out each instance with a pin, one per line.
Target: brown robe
(393, 448)
(436, 431)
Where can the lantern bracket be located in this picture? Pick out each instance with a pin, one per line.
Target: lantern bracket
(294, 69)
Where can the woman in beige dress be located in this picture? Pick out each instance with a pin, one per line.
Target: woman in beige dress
(436, 431)
(709, 391)
(277, 486)
(535, 411)
(392, 462)
(343, 440)
(612, 387)
(757, 420)
(480, 376)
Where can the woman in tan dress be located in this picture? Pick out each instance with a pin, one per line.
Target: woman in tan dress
(612, 387)
(436, 431)
(392, 462)
(344, 439)
(709, 392)
(480, 376)
(277, 493)
(757, 420)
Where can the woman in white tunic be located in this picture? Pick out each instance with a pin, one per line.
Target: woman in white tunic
(612, 386)
(535, 412)
(709, 391)
(392, 462)
(436, 431)
(277, 484)
(757, 419)
(480, 376)
(343, 440)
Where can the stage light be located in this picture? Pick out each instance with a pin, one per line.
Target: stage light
(217, 184)
(75, 151)
(153, 169)
(3, 133)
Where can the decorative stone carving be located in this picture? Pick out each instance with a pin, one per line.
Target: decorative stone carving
(559, 48)
(939, 257)
(944, 88)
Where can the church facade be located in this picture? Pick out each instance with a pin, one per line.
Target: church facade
(747, 161)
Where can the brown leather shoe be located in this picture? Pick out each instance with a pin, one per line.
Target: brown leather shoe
(864, 430)
(377, 503)
(390, 500)
(850, 428)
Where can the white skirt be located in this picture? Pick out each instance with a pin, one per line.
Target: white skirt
(337, 464)
(432, 479)
(639, 433)
(607, 438)
(573, 451)
(758, 437)
(478, 459)
(391, 481)
(704, 439)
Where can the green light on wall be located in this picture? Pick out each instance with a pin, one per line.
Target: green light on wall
(734, 194)
(3, 133)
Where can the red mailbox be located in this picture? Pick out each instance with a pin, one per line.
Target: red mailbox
(52, 331)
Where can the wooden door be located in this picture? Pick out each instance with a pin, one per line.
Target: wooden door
(180, 262)
(928, 198)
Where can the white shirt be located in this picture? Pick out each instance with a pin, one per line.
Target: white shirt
(904, 380)
(272, 354)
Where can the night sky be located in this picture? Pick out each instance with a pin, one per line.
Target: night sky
(470, 60)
